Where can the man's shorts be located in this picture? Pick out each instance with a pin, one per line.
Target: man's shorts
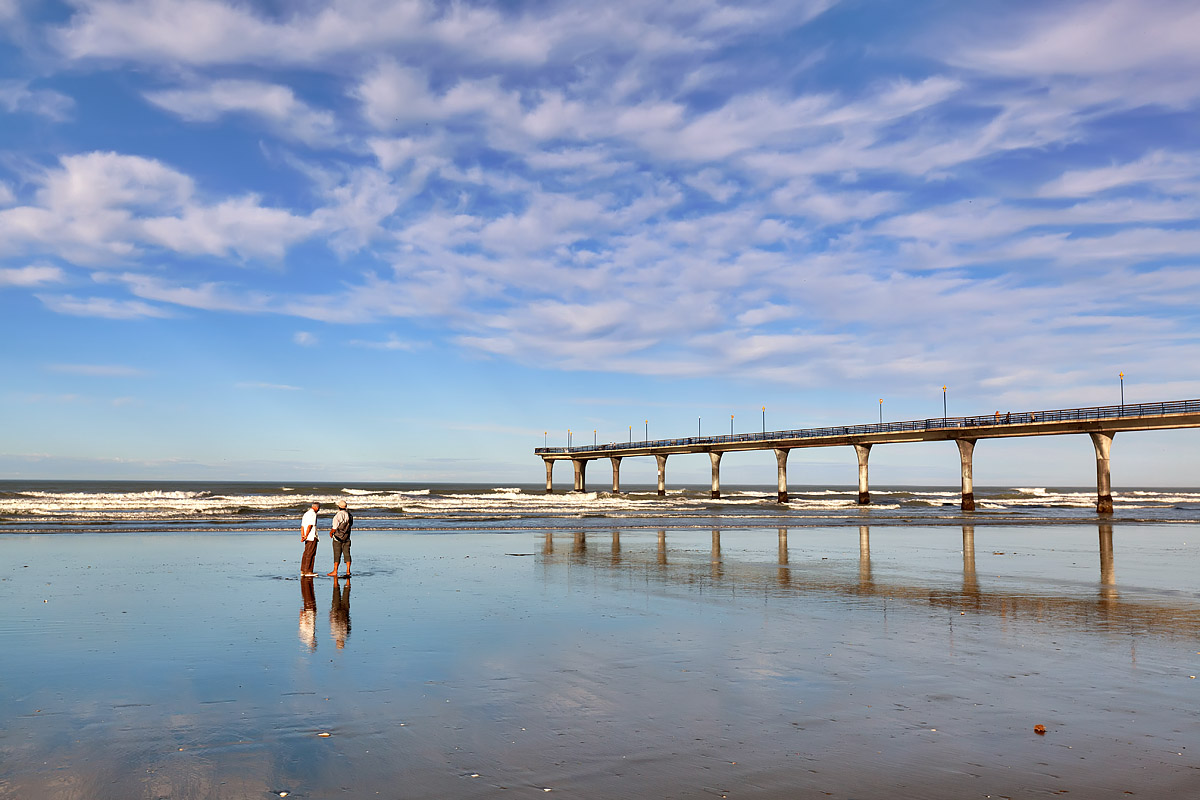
(341, 550)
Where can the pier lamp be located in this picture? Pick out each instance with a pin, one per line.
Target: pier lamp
(943, 404)
(545, 438)
(568, 438)
(881, 410)
(647, 430)
(593, 437)
(631, 434)
(764, 420)
(1121, 375)
(731, 424)
(697, 427)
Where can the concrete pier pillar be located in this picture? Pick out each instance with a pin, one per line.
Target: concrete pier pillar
(549, 476)
(580, 473)
(616, 465)
(716, 473)
(864, 493)
(966, 448)
(662, 474)
(1103, 444)
(781, 455)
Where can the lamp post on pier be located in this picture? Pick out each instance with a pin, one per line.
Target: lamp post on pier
(647, 430)
(697, 427)
(593, 437)
(731, 424)
(568, 438)
(631, 434)
(881, 410)
(764, 420)
(545, 438)
(944, 404)
(1121, 375)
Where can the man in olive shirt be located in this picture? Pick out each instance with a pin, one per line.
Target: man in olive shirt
(339, 534)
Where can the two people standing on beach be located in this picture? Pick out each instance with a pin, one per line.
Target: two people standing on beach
(339, 534)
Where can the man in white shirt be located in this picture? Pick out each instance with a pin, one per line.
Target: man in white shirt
(308, 535)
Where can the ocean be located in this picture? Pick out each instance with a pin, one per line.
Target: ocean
(148, 507)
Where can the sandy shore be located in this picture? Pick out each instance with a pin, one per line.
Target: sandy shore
(903, 662)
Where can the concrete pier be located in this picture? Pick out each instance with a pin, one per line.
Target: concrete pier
(716, 474)
(966, 447)
(1101, 423)
(616, 465)
(781, 455)
(1102, 441)
(864, 492)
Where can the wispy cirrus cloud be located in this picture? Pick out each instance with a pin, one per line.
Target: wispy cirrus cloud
(97, 370)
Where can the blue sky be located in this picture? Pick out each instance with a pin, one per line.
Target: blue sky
(367, 240)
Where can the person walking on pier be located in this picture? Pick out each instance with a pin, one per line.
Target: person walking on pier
(308, 535)
(339, 534)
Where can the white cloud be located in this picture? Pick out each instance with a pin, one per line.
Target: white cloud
(33, 275)
(1157, 167)
(289, 117)
(281, 387)
(304, 338)
(103, 307)
(96, 370)
(107, 207)
(392, 342)
(16, 97)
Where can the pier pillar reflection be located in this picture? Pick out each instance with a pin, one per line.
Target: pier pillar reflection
(1108, 573)
(864, 492)
(662, 474)
(548, 544)
(615, 553)
(716, 567)
(579, 545)
(662, 547)
(970, 579)
(580, 473)
(716, 473)
(1103, 444)
(781, 457)
(784, 573)
(549, 476)
(616, 466)
(864, 555)
(966, 448)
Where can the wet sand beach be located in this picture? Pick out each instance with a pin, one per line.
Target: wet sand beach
(736, 662)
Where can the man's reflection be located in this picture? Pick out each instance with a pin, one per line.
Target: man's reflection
(308, 614)
(339, 612)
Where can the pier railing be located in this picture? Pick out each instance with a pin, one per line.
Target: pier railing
(1117, 412)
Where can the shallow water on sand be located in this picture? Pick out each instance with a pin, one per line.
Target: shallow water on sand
(741, 662)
